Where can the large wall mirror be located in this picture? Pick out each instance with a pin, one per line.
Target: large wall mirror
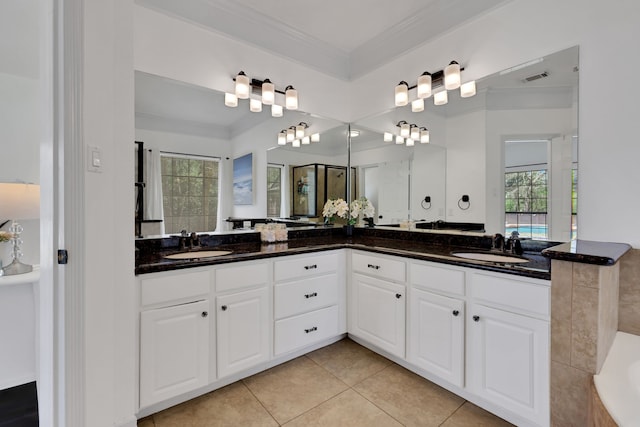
(511, 150)
(192, 142)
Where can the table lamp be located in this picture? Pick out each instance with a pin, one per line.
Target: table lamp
(18, 201)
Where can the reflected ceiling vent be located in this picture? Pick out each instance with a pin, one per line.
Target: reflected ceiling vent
(535, 77)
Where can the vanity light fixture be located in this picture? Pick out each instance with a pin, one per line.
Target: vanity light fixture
(388, 137)
(449, 78)
(260, 92)
(315, 137)
(295, 134)
(408, 134)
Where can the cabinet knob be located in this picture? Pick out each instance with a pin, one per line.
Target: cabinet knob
(205, 313)
(398, 296)
(224, 308)
(456, 312)
(476, 318)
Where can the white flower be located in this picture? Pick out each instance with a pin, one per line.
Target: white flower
(335, 207)
(5, 236)
(362, 206)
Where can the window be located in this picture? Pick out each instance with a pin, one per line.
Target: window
(526, 203)
(189, 193)
(274, 190)
(574, 203)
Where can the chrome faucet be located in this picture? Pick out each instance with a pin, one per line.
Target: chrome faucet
(189, 240)
(498, 242)
(513, 243)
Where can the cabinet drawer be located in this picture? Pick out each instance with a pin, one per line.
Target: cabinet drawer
(375, 266)
(243, 275)
(174, 287)
(306, 266)
(528, 297)
(301, 296)
(305, 329)
(437, 278)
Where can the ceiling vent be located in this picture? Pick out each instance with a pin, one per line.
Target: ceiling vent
(535, 77)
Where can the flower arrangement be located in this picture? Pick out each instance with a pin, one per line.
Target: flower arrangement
(333, 208)
(362, 207)
(5, 236)
(338, 207)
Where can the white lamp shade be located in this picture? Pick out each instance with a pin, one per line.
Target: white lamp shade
(276, 110)
(417, 105)
(230, 100)
(295, 143)
(242, 86)
(424, 136)
(282, 138)
(291, 134)
(452, 76)
(306, 140)
(291, 98)
(405, 130)
(19, 201)
(415, 132)
(399, 139)
(388, 137)
(402, 94)
(468, 89)
(268, 92)
(410, 142)
(315, 137)
(255, 106)
(424, 86)
(440, 98)
(299, 131)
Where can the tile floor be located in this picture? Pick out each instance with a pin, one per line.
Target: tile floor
(343, 384)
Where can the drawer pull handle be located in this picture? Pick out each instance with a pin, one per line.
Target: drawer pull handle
(456, 312)
(311, 295)
(476, 318)
(375, 267)
(224, 308)
(310, 267)
(315, 328)
(398, 296)
(205, 314)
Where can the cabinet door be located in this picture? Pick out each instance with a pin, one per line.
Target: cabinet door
(509, 361)
(437, 335)
(378, 313)
(243, 330)
(174, 351)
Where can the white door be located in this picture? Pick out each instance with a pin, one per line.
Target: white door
(509, 361)
(437, 335)
(243, 330)
(378, 313)
(174, 351)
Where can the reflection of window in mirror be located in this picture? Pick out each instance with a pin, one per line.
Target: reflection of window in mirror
(189, 193)
(274, 190)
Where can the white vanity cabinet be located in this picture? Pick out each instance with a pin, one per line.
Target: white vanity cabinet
(508, 343)
(174, 334)
(436, 324)
(242, 316)
(377, 308)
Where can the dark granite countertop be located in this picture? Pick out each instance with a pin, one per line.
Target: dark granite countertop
(422, 246)
(588, 252)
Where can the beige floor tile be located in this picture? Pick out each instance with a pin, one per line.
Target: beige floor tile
(349, 361)
(410, 399)
(472, 415)
(290, 389)
(348, 409)
(233, 405)
(146, 422)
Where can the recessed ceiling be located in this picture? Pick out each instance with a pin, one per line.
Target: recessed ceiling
(344, 39)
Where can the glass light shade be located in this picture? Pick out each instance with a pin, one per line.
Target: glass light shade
(399, 139)
(415, 132)
(282, 138)
(402, 94)
(19, 201)
(230, 100)
(291, 134)
(410, 142)
(242, 86)
(424, 136)
(417, 105)
(255, 106)
(276, 110)
(315, 137)
(452, 76)
(468, 89)
(306, 140)
(388, 137)
(291, 98)
(268, 92)
(405, 130)
(296, 143)
(440, 98)
(424, 86)
(299, 131)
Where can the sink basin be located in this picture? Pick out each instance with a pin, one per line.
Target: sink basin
(197, 254)
(491, 257)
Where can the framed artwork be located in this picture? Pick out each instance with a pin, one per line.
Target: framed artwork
(243, 180)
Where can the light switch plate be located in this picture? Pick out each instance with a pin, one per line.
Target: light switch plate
(94, 159)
